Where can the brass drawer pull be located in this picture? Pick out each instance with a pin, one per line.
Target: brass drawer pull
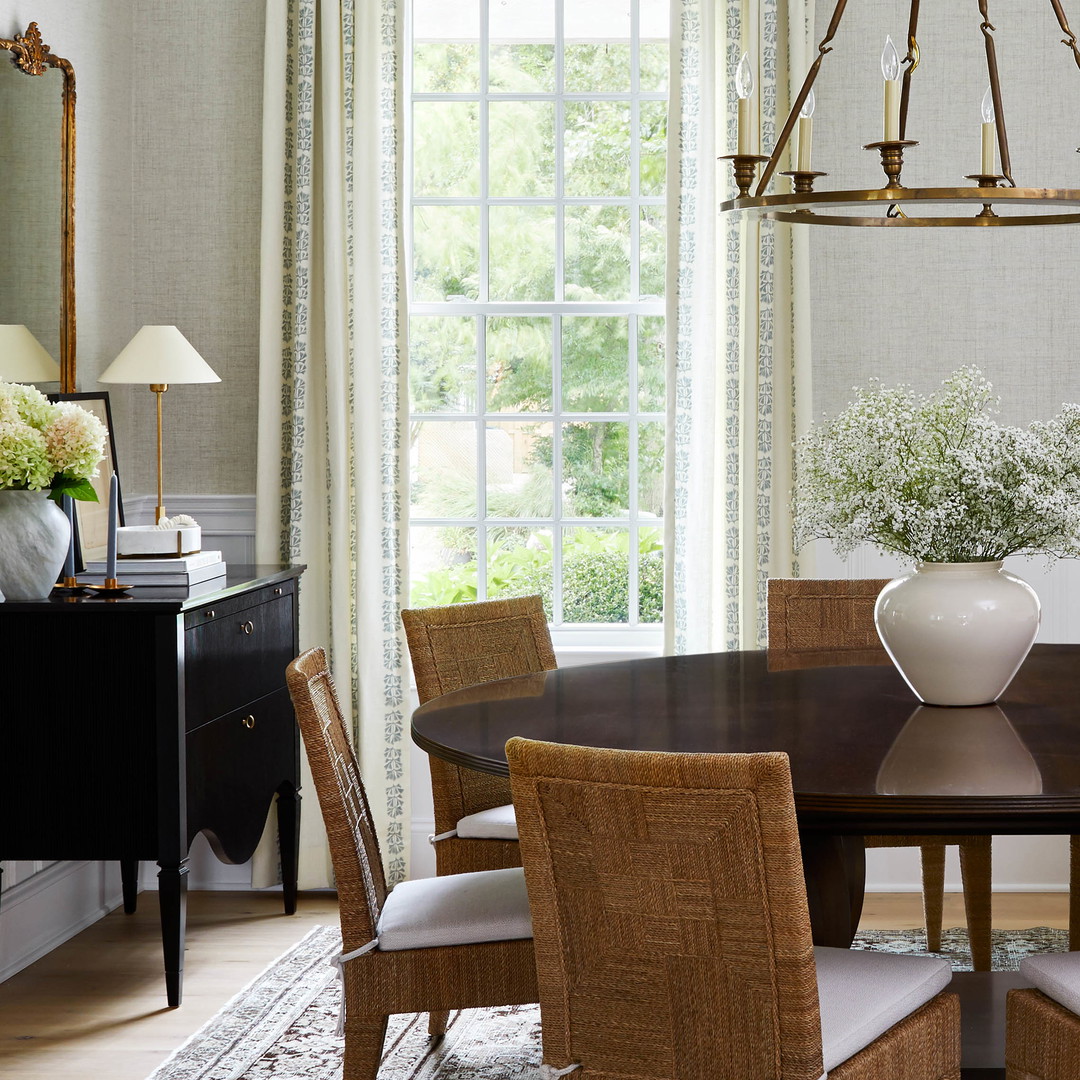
(248, 627)
(210, 613)
(248, 722)
(278, 592)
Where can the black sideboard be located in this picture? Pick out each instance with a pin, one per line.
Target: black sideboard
(131, 725)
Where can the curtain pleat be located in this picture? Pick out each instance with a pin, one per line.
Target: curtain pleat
(738, 333)
(332, 456)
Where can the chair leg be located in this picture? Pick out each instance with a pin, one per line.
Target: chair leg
(976, 877)
(364, 1036)
(436, 1024)
(1074, 893)
(933, 892)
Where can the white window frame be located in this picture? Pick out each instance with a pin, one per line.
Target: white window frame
(573, 642)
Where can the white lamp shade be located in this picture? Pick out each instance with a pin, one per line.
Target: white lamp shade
(159, 354)
(23, 358)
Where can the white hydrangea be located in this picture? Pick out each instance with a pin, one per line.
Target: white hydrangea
(47, 445)
(937, 479)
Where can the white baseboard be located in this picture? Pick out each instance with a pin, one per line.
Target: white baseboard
(52, 906)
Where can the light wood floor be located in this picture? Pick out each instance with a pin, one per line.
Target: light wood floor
(95, 1006)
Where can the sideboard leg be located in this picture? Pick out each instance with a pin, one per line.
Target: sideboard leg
(835, 871)
(288, 818)
(129, 881)
(172, 898)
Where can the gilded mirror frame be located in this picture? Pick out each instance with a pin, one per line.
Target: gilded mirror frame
(32, 56)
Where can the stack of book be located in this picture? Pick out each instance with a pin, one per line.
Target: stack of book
(204, 571)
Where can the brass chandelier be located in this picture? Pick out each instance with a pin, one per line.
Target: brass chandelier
(992, 199)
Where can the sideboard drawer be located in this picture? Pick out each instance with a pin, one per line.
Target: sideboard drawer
(236, 653)
(235, 765)
(230, 605)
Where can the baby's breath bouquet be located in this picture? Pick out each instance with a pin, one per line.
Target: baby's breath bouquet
(937, 479)
(46, 445)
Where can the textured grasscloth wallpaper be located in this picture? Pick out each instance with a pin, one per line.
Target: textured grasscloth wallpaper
(911, 305)
(167, 216)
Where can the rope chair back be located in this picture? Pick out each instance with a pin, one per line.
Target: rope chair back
(830, 623)
(823, 623)
(354, 845)
(464, 645)
(669, 912)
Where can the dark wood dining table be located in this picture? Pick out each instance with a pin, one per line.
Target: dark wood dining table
(866, 758)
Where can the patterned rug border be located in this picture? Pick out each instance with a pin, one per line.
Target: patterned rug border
(281, 1026)
(258, 1014)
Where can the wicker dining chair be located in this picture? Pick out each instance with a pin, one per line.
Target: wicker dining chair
(819, 623)
(427, 945)
(1042, 1025)
(451, 648)
(672, 935)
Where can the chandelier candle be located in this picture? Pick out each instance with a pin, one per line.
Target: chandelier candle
(806, 132)
(890, 69)
(744, 87)
(988, 131)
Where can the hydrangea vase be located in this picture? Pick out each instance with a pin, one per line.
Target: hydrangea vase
(957, 632)
(34, 539)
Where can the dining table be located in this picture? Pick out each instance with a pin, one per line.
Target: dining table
(867, 758)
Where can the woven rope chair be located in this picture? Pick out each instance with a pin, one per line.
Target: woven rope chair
(1042, 1028)
(458, 646)
(400, 950)
(672, 935)
(830, 623)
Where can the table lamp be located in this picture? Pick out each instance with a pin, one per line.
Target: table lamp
(23, 358)
(159, 355)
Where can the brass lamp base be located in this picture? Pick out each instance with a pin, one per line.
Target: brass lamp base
(158, 389)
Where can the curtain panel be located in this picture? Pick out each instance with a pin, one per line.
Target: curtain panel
(332, 453)
(738, 334)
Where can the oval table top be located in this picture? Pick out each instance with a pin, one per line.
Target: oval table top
(866, 757)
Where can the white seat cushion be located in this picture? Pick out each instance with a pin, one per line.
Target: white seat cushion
(498, 823)
(863, 994)
(1057, 975)
(458, 909)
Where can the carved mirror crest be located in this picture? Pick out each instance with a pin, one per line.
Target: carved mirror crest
(37, 195)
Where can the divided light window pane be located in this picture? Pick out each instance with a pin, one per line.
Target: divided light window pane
(536, 353)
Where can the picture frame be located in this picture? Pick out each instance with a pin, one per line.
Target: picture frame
(91, 531)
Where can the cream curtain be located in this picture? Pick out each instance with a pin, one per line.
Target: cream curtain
(332, 452)
(738, 337)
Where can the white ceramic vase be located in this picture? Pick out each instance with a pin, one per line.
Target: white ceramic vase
(957, 632)
(34, 539)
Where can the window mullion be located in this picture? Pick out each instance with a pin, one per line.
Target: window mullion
(640, 418)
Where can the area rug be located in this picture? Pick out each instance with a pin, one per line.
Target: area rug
(282, 1025)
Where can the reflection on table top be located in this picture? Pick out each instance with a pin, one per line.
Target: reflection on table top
(861, 746)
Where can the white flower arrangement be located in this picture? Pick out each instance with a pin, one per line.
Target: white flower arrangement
(937, 479)
(46, 445)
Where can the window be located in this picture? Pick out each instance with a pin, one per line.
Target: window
(537, 314)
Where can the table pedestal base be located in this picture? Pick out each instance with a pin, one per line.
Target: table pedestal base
(835, 870)
(982, 1020)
